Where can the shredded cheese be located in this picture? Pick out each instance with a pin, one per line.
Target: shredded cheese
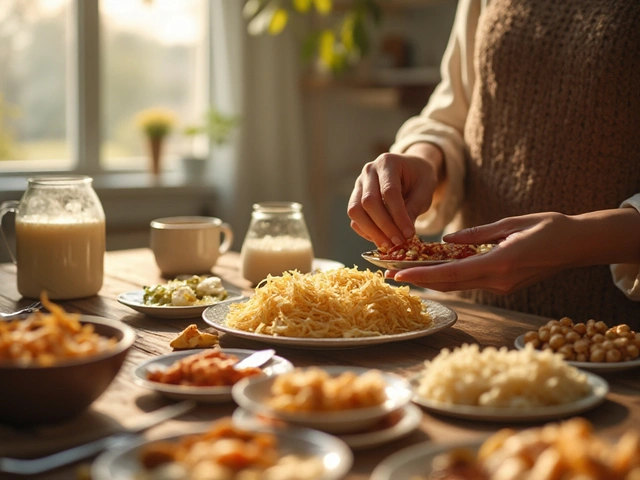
(339, 303)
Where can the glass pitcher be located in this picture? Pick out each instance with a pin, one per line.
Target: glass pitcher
(277, 240)
(60, 237)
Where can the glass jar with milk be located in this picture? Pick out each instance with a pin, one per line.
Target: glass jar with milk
(60, 237)
(277, 240)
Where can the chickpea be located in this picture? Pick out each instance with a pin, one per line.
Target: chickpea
(556, 341)
(544, 335)
(598, 338)
(581, 346)
(580, 328)
(572, 337)
(555, 329)
(591, 331)
(567, 352)
(530, 337)
(623, 328)
(613, 355)
(610, 334)
(553, 323)
(566, 321)
(601, 327)
(545, 346)
(597, 355)
(591, 323)
(633, 351)
(608, 345)
(581, 357)
(621, 342)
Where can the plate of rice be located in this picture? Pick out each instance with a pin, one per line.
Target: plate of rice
(505, 385)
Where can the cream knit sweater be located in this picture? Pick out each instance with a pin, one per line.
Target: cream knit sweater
(539, 110)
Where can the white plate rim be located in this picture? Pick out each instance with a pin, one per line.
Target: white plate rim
(199, 394)
(133, 299)
(324, 420)
(599, 367)
(443, 317)
(599, 390)
(410, 421)
(422, 453)
(101, 466)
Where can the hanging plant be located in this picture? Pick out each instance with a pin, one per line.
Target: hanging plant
(342, 40)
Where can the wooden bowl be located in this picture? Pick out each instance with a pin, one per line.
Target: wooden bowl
(34, 394)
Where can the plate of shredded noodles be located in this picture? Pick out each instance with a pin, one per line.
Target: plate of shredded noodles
(339, 308)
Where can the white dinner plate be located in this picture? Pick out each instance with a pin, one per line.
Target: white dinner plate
(409, 420)
(415, 461)
(443, 317)
(599, 390)
(598, 367)
(135, 300)
(199, 394)
(122, 463)
(254, 393)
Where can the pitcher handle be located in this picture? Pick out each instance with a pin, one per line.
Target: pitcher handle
(227, 234)
(6, 207)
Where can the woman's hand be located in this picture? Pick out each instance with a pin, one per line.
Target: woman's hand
(392, 191)
(532, 248)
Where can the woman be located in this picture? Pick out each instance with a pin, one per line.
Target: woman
(532, 141)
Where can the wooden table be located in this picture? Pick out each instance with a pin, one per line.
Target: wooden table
(123, 402)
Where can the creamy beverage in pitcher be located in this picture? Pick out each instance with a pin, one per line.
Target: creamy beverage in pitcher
(65, 257)
(274, 255)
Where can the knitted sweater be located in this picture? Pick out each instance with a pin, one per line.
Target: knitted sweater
(553, 124)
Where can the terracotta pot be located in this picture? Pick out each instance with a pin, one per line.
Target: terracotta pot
(155, 153)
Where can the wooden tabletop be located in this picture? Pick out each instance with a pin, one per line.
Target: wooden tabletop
(124, 401)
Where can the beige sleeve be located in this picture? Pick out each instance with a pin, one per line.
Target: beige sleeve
(626, 276)
(442, 120)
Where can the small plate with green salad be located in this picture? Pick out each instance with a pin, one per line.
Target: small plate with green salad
(182, 297)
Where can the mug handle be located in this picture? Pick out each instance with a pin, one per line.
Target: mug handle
(6, 207)
(227, 233)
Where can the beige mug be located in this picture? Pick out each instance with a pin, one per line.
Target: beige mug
(189, 245)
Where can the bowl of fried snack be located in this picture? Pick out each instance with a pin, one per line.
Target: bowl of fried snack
(54, 365)
(332, 399)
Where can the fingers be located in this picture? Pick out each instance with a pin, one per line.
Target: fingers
(490, 233)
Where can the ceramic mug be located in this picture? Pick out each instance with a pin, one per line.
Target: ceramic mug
(189, 245)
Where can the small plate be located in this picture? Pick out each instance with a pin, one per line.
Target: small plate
(122, 463)
(397, 425)
(199, 394)
(135, 300)
(253, 393)
(415, 461)
(599, 390)
(443, 317)
(373, 256)
(598, 367)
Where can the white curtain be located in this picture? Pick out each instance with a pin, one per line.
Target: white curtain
(256, 78)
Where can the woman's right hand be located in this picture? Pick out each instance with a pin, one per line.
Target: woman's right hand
(392, 191)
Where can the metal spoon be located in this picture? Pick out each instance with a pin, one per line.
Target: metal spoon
(256, 359)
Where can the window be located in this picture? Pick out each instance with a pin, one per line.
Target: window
(33, 84)
(58, 113)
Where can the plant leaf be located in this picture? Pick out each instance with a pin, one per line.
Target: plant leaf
(327, 47)
(323, 6)
(302, 6)
(278, 21)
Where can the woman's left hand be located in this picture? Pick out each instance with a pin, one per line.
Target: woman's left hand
(531, 248)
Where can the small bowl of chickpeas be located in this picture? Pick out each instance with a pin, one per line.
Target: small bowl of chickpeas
(591, 345)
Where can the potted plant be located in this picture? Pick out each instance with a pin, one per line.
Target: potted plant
(156, 124)
(216, 128)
